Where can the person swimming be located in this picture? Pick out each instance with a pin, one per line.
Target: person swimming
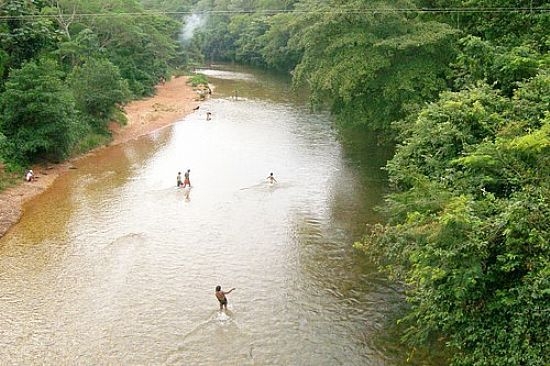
(271, 179)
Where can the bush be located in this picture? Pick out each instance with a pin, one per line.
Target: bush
(90, 142)
(38, 114)
(198, 79)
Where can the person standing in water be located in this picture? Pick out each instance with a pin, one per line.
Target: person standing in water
(179, 182)
(186, 181)
(271, 178)
(220, 295)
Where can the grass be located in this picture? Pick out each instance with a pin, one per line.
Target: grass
(9, 178)
(90, 142)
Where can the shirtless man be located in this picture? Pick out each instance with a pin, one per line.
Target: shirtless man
(271, 178)
(186, 181)
(220, 295)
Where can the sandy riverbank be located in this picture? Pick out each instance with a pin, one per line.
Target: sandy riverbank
(172, 101)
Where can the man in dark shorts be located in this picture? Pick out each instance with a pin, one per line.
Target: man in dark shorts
(179, 182)
(220, 295)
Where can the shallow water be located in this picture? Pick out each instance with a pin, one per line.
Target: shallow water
(114, 265)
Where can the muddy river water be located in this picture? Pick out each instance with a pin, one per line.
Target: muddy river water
(115, 266)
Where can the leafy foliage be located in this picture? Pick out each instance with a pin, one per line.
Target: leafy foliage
(99, 53)
(198, 79)
(23, 37)
(38, 113)
(369, 68)
(466, 93)
(513, 23)
(469, 233)
(98, 89)
(277, 53)
(502, 67)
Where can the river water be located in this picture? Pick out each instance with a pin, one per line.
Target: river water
(114, 265)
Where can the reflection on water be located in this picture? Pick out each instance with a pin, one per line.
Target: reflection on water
(115, 265)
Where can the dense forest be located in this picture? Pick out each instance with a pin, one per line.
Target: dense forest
(462, 88)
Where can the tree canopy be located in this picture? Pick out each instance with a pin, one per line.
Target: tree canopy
(38, 113)
(67, 66)
(462, 88)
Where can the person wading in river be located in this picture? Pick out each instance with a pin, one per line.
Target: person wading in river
(271, 179)
(186, 181)
(220, 295)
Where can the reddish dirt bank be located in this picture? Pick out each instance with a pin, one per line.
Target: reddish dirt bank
(173, 100)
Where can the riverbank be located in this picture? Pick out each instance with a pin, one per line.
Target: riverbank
(173, 100)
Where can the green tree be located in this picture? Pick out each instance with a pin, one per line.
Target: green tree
(168, 5)
(468, 229)
(142, 47)
(3, 61)
(278, 54)
(371, 67)
(217, 42)
(99, 90)
(78, 49)
(23, 36)
(502, 67)
(510, 23)
(38, 114)
(248, 50)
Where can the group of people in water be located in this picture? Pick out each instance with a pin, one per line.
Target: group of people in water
(186, 182)
(219, 293)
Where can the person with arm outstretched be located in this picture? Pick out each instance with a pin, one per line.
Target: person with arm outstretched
(220, 295)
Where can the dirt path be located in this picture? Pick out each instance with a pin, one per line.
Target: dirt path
(172, 101)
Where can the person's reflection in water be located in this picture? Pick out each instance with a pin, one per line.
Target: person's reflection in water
(186, 193)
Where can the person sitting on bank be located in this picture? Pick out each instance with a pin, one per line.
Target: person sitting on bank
(29, 177)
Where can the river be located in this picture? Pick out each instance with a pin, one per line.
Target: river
(114, 265)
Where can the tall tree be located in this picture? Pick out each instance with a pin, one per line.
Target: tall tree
(142, 47)
(277, 52)
(370, 62)
(99, 90)
(468, 229)
(504, 22)
(37, 114)
(24, 34)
